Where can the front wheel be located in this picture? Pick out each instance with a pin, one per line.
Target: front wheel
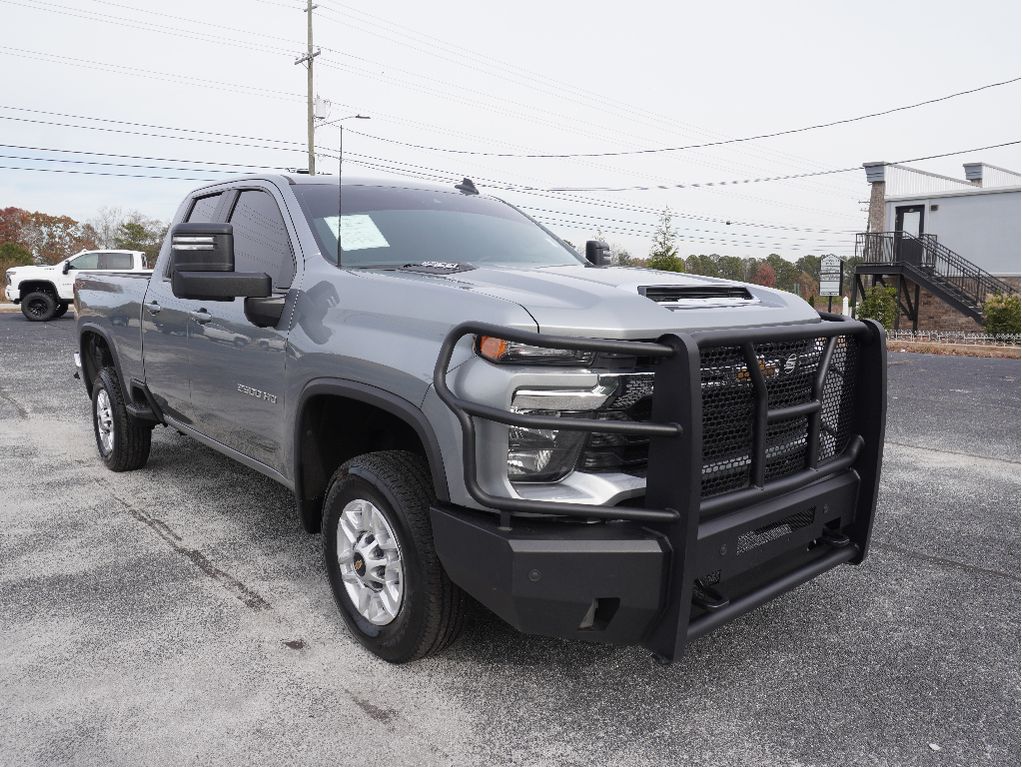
(386, 578)
(123, 441)
(39, 306)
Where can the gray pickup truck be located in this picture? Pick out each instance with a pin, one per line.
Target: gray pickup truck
(462, 405)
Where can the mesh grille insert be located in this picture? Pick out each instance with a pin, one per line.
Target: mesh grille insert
(789, 370)
(753, 539)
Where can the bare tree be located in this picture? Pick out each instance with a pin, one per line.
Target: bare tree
(106, 223)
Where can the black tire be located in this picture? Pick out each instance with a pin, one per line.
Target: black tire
(131, 439)
(61, 310)
(39, 306)
(432, 609)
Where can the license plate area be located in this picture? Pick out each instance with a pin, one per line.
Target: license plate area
(731, 544)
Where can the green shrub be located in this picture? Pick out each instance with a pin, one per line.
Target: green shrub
(1001, 314)
(880, 304)
(666, 262)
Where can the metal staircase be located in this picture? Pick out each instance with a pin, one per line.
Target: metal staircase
(925, 262)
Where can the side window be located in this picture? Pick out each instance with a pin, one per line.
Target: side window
(115, 261)
(261, 241)
(85, 261)
(203, 209)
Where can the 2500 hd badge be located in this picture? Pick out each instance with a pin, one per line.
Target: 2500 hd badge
(257, 393)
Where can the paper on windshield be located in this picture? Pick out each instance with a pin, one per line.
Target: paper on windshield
(357, 232)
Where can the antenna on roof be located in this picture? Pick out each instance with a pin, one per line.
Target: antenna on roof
(467, 186)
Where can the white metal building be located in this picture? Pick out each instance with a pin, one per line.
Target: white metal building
(979, 217)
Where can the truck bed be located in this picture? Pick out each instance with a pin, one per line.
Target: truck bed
(112, 304)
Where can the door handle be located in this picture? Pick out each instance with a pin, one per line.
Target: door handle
(153, 307)
(201, 316)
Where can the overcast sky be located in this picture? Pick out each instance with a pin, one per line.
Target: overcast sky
(527, 77)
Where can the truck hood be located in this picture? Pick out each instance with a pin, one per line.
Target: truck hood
(34, 270)
(610, 302)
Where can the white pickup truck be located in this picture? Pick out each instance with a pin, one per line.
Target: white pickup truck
(45, 292)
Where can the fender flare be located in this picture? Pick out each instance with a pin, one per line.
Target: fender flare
(384, 400)
(91, 327)
(41, 282)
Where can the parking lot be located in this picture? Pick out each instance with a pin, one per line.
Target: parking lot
(178, 615)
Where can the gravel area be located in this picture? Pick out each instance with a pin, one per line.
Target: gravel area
(178, 615)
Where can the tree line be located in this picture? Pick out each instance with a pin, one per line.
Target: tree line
(34, 237)
(801, 276)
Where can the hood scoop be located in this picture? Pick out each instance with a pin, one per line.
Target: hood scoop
(698, 296)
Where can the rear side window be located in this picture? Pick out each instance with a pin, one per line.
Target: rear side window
(203, 209)
(261, 241)
(114, 261)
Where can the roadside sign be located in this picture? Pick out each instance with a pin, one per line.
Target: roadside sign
(832, 273)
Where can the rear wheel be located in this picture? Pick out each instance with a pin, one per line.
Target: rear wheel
(386, 578)
(39, 306)
(123, 441)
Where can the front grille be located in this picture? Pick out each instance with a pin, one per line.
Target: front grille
(789, 369)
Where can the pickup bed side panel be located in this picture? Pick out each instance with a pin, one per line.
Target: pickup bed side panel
(111, 305)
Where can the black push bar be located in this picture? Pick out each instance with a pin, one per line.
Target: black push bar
(671, 348)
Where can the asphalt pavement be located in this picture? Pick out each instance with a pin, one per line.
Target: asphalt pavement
(178, 615)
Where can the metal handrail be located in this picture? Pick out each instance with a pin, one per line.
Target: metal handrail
(952, 270)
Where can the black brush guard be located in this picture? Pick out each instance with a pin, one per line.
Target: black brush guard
(705, 536)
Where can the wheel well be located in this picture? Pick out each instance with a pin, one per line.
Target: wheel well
(96, 355)
(30, 286)
(335, 428)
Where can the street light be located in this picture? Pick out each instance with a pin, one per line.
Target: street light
(340, 167)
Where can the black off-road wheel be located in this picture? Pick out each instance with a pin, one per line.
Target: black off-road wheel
(61, 310)
(123, 441)
(39, 306)
(386, 578)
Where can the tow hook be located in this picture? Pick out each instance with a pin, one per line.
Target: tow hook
(835, 538)
(708, 597)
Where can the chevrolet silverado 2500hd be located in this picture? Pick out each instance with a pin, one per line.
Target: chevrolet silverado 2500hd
(46, 291)
(462, 404)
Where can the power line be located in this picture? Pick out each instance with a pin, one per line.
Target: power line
(219, 40)
(133, 157)
(602, 220)
(625, 110)
(769, 178)
(245, 141)
(146, 73)
(107, 164)
(202, 37)
(733, 182)
(723, 142)
(102, 173)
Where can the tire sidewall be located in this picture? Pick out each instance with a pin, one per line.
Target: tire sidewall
(397, 640)
(103, 383)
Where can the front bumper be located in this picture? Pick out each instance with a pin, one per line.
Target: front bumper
(610, 582)
(12, 295)
(666, 572)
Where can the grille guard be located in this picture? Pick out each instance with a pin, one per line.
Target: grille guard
(674, 506)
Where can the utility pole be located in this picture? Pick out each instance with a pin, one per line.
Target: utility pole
(310, 114)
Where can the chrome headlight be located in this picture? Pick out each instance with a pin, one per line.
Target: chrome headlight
(547, 455)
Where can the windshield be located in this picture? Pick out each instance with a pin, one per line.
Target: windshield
(388, 227)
